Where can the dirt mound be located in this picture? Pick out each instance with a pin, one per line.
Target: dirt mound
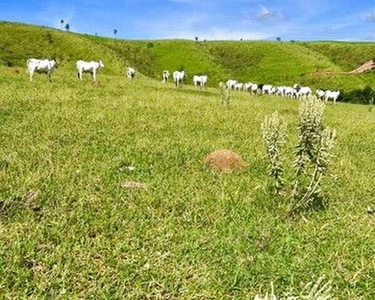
(225, 161)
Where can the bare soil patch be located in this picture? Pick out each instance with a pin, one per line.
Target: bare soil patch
(225, 161)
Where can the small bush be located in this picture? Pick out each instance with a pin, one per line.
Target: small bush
(312, 153)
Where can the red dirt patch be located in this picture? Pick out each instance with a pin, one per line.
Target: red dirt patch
(225, 161)
(367, 66)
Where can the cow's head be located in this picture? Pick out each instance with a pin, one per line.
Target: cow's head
(101, 65)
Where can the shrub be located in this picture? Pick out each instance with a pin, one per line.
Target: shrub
(312, 153)
(274, 136)
(225, 94)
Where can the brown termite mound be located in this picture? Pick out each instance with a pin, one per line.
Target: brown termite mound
(225, 161)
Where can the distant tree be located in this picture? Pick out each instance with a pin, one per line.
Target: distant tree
(278, 39)
(241, 39)
(67, 27)
(62, 23)
(196, 39)
(115, 32)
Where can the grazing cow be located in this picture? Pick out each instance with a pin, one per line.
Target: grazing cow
(41, 66)
(320, 94)
(260, 88)
(200, 80)
(238, 86)
(267, 89)
(304, 91)
(165, 76)
(253, 88)
(247, 86)
(178, 77)
(290, 92)
(89, 67)
(130, 73)
(331, 95)
(231, 84)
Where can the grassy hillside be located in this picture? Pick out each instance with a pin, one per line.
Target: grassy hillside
(262, 62)
(69, 230)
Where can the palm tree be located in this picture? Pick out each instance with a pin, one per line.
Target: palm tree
(115, 32)
(62, 23)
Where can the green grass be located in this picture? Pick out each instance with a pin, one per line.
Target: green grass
(193, 233)
(262, 62)
(68, 230)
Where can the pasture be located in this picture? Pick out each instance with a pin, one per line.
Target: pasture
(69, 230)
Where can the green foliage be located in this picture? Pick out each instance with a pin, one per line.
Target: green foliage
(274, 137)
(313, 153)
(225, 94)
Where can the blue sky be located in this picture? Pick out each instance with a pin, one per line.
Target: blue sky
(208, 19)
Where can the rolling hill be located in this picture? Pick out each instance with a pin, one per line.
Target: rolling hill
(318, 64)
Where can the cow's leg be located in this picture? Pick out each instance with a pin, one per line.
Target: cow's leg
(31, 75)
(94, 75)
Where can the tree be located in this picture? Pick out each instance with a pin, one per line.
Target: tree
(278, 39)
(115, 32)
(62, 23)
(196, 39)
(67, 27)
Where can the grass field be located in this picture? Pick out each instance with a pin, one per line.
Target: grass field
(70, 230)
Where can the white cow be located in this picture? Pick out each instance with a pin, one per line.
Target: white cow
(267, 89)
(238, 86)
(40, 66)
(331, 95)
(165, 76)
(253, 88)
(89, 67)
(302, 91)
(231, 84)
(130, 73)
(289, 92)
(178, 77)
(320, 94)
(200, 80)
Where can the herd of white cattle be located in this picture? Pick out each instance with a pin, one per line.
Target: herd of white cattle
(294, 92)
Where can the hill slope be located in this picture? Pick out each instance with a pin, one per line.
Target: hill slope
(262, 62)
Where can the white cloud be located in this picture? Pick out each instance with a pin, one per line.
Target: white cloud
(370, 16)
(264, 14)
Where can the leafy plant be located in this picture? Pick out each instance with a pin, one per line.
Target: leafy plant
(274, 136)
(312, 153)
(311, 291)
(225, 94)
